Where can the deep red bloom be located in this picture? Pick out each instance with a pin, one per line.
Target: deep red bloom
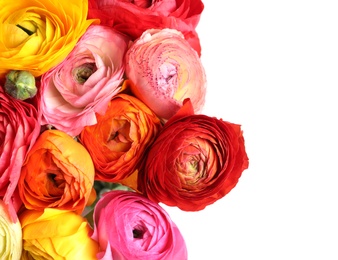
(134, 17)
(195, 160)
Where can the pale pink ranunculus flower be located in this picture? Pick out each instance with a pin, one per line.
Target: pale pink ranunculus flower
(85, 81)
(127, 225)
(164, 70)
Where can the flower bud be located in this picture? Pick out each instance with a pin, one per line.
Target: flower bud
(20, 84)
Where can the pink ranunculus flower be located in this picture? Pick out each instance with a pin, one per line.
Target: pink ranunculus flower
(19, 128)
(164, 70)
(129, 226)
(85, 81)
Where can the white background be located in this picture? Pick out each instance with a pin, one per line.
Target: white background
(272, 66)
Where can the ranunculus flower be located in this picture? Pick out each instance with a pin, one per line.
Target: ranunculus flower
(58, 173)
(84, 83)
(134, 17)
(56, 234)
(117, 143)
(37, 35)
(129, 226)
(195, 160)
(10, 235)
(19, 128)
(165, 70)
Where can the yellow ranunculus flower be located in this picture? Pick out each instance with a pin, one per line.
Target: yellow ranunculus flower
(56, 234)
(37, 35)
(10, 235)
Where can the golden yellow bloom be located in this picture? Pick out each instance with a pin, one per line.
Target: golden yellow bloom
(56, 234)
(37, 35)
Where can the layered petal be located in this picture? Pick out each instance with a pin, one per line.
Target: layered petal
(195, 161)
(10, 235)
(117, 143)
(19, 128)
(84, 83)
(129, 226)
(56, 234)
(58, 173)
(134, 17)
(164, 70)
(37, 35)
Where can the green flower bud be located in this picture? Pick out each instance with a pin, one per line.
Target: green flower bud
(20, 84)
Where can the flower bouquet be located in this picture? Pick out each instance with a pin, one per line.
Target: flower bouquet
(101, 122)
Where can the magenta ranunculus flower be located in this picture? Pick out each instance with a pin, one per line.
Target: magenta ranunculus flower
(19, 128)
(85, 81)
(164, 70)
(129, 226)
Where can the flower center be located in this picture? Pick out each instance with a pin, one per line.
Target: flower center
(29, 29)
(167, 79)
(83, 72)
(118, 139)
(139, 231)
(191, 165)
(55, 184)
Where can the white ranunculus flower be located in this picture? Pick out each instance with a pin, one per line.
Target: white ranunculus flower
(10, 235)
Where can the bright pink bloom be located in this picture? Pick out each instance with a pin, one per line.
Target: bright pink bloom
(19, 128)
(129, 226)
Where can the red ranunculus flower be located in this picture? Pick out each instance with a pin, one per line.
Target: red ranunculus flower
(195, 160)
(128, 226)
(134, 17)
(19, 128)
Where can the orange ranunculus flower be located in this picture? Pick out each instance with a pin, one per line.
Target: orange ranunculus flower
(118, 141)
(56, 234)
(37, 35)
(58, 173)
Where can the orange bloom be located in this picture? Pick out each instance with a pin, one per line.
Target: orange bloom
(58, 173)
(118, 141)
